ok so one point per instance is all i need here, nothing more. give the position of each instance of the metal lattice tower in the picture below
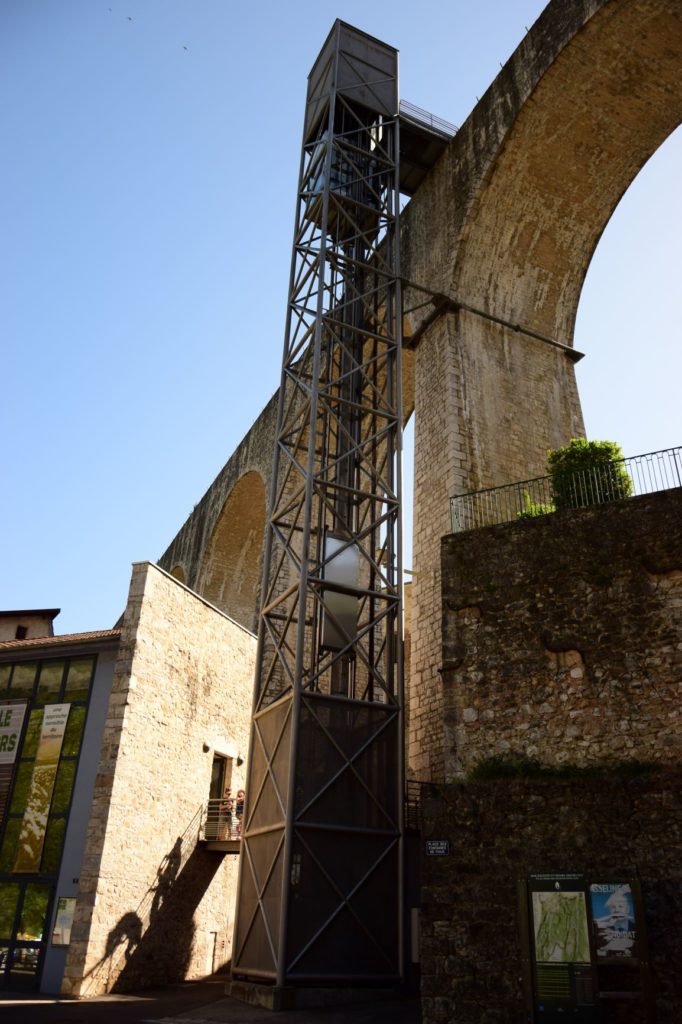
(320, 889)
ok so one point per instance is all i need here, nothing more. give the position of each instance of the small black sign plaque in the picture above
(437, 847)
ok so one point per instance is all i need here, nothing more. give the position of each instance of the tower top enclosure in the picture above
(356, 66)
(364, 71)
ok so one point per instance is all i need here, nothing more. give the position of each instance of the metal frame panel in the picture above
(320, 890)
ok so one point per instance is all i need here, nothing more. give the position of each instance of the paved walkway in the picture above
(201, 1002)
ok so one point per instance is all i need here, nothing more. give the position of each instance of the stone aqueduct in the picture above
(496, 243)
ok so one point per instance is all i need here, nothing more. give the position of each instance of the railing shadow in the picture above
(152, 945)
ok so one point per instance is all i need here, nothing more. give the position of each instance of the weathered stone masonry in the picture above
(562, 643)
(503, 831)
(183, 679)
(562, 636)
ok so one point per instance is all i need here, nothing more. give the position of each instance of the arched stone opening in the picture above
(509, 219)
(178, 573)
(232, 562)
(605, 104)
(629, 306)
(600, 110)
(506, 225)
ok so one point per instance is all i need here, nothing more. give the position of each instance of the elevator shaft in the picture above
(320, 889)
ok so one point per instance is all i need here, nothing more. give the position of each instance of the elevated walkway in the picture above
(423, 139)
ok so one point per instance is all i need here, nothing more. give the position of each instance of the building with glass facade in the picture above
(54, 693)
(108, 749)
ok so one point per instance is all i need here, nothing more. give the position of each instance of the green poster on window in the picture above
(34, 823)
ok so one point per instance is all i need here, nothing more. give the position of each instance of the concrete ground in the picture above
(201, 1002)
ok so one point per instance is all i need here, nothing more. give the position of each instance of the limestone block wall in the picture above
(154, 906)
(502, 831)
(439, 465)
(562, 637)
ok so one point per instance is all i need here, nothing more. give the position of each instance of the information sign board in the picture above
(560, 935)
(437, 847)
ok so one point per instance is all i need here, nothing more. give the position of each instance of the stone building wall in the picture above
(154, 905)
(562, 636)
(502, 831)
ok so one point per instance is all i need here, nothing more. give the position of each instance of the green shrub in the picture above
(587, 473)
(520, 766)
(512, 766)
(532, 509)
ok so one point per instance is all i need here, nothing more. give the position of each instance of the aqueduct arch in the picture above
(500, 234)
(203, 544)
(506, 224)
(231, 568)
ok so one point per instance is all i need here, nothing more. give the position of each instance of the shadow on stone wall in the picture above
(152, 945)
(164, 950)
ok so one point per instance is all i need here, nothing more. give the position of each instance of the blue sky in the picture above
(148, 159)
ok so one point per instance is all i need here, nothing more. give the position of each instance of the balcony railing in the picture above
(603, 482)
(219, 825)
(423, 117)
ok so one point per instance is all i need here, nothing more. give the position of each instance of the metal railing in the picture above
(603, 482)
(219, 823)
(439, 125)
(412, 801)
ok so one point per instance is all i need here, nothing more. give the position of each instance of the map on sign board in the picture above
(560, 927)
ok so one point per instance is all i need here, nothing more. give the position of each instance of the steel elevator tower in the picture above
(320, 889)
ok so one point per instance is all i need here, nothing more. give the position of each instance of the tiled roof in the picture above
(56, 641)
(10, 613)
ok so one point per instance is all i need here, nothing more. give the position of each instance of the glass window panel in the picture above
(23, 679)
(74, 731)
(33, 911)
(24, 967)
(4, 678)
(9, 894)
(50, 682)
(79, 678)
(22, 785)
(52, 850)
(9, 844)
(61, 796)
